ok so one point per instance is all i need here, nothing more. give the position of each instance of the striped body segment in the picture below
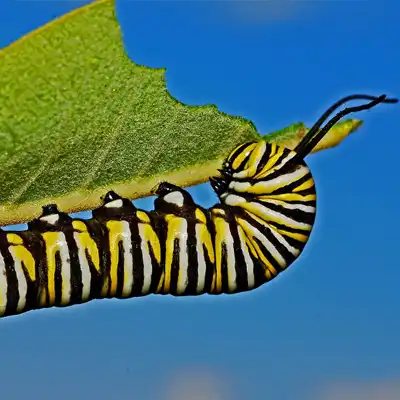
(261, 226)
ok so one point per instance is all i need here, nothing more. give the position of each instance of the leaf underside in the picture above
(78, 118)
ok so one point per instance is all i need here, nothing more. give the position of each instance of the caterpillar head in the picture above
(235, 163)
(251, 163)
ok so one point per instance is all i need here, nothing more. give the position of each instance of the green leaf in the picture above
(78, 118)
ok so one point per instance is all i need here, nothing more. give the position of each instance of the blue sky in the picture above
(328, 328)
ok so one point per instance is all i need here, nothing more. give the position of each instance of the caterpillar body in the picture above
(261, 225)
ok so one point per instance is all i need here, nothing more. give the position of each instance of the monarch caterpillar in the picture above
(264, 220)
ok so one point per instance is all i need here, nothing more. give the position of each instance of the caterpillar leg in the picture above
(165, 187)
(220, 185)
(172, 197)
